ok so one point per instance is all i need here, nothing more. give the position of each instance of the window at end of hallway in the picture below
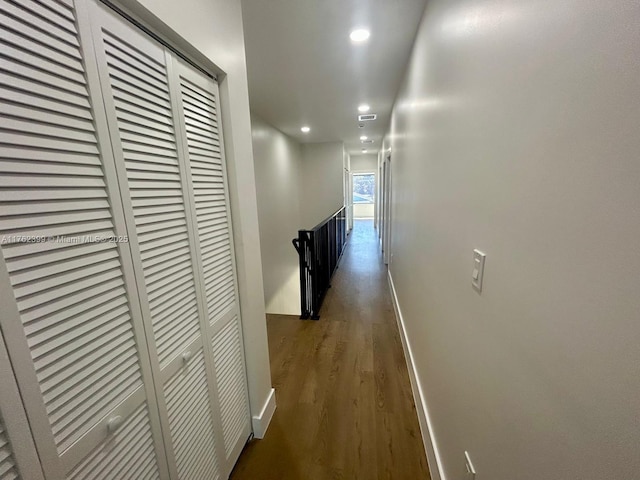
(364, 185)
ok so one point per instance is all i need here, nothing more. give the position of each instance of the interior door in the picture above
(198, 106)
(163, 117)
(70, 314)
(134, 73)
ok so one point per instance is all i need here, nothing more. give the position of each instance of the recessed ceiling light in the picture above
(305, 129)
(360, 35)
(364, 150)
(363, 137)
(363, 108)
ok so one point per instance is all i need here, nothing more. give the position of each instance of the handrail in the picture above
(323, 222)
(320, 250)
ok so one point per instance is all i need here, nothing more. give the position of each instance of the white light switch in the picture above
(478, 269)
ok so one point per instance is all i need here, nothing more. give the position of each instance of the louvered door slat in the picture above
(34, 29)
(62, 10)
(142, 107)
(42, 116)
(39, 48)
(39, 20)
(144, 63)
(42, 103)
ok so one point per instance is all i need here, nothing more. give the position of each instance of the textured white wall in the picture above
(214, 28)
(322, 190)
(516, 132)
(277, 159)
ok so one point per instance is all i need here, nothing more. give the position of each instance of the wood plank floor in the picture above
(345, 408)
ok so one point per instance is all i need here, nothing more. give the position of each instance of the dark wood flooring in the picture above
(345, 408)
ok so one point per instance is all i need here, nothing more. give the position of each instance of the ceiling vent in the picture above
(367, 117)
(367, 141)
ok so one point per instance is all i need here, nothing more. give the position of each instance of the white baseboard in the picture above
(430, 445)
(260, 422)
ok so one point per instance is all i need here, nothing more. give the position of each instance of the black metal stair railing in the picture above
(319, 250)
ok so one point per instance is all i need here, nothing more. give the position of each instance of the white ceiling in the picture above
(304, 70)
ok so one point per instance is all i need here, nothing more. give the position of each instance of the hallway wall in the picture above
(322, 192)
(364, 163)
(515, 132)
(277, 159)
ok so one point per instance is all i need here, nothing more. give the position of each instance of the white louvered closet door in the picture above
(141, 101)
(70, 312)
(209, 199)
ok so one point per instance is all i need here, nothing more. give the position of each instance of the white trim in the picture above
(426, 427)
(261, 422)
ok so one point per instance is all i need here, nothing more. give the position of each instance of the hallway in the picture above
(345, 407)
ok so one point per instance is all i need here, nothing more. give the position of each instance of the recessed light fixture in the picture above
(363, 108)
(364, 150)
(360, 35)
(363, 137)
(305, 129)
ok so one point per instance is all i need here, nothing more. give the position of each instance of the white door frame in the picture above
(386, 210)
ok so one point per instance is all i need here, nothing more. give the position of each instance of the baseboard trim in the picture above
(428, 439)
(261, 422)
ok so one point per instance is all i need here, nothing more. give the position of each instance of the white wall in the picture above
(363, 210)
(322, 191)
(277, 159)
(214, 29)
(364, 163)
(516, 132)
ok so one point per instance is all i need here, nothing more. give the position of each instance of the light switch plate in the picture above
(478, 270)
